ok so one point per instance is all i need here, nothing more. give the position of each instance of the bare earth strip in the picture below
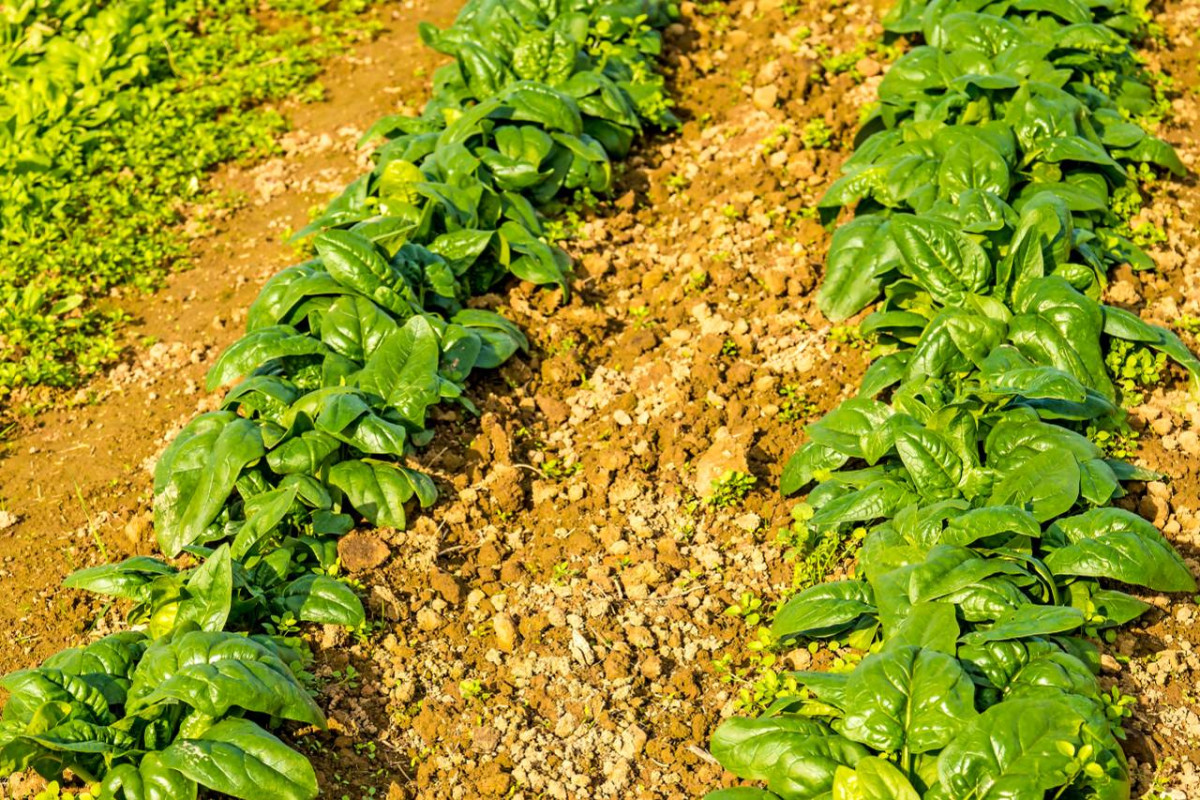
(555, 627)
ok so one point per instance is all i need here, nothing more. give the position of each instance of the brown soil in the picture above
(1158, 661)
(556, 626)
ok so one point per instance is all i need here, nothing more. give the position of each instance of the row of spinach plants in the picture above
(993, 554)
(343, 357)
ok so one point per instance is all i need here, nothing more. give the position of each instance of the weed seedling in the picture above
(748, 607)
(730, 489)
(1134, 369)
(816, 134)
(795, 405)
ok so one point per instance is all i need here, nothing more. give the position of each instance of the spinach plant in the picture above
(982, 188)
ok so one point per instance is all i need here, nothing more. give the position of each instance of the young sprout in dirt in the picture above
(365, 633)
(1117, 440)
(1134, 368)
(1147, 235)
(472, 689)
(849, 335)
(347, 678)
(563, 573)
(847, 62)
(1118, 707)
(816, 134)
(558, 470)
(1158, 786)
(795, 405)
(641, 316)
(730, 489)
(562, 346)
(767, 686)
(676, 182)
(759, 681)
(565, 228)
(777, 139)
(748, 607)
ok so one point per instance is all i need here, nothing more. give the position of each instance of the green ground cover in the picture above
(111, 116)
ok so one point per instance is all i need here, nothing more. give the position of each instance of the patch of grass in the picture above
(111, 116)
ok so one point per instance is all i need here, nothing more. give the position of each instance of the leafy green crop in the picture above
(342, 359)
(111, 115)
(982, 187)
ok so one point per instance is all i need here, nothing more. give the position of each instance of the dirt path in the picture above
(556, 628)
(74, 486)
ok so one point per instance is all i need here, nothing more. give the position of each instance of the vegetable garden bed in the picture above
(575, 577)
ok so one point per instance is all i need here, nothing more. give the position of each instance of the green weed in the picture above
(730, 489)
(1134, 368)
(104, 157)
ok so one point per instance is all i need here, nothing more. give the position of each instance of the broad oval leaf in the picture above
(216, 671)
(872, 779)
(149, 780)
(1029, 620)
(1114, 543)
(824, 610)
(324, 600)
(739, 741)
(939, 257)
(240, 759)
(859, 254)
(907, 698)
(1011, 751)
(193, 480)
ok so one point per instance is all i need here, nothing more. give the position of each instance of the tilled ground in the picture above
(1158, 661)
(556, 627)
(559, 629)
